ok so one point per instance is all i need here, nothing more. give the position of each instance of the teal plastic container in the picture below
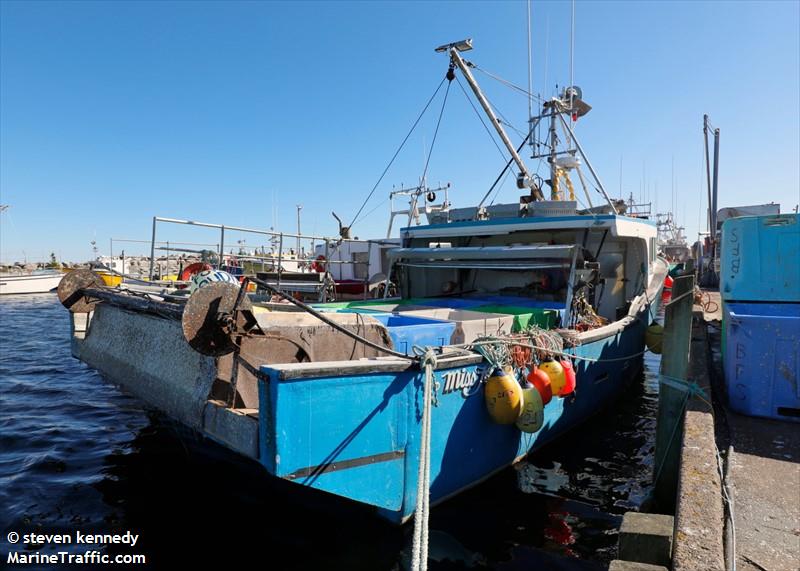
(408, 331)
(760, 259)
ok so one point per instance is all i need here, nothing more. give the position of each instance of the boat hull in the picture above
(352, 428)
(351, 287)
(15, 285)
(358, 435)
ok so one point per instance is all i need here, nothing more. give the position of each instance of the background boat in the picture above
(34, 282)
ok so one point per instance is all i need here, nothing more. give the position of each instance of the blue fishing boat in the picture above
(404, 402)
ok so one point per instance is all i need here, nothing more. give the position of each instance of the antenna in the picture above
(672, 190)
(571, 54)
(530, 66)
(547, 50)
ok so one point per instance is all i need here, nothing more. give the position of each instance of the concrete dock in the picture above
(760, 459)
(763, 475)
(735, 482)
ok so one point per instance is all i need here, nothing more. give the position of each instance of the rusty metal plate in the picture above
(70, 294)
(202, 327)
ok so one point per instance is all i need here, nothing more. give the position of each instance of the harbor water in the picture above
(78, 454)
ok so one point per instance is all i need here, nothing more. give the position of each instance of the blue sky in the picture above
(112, 112)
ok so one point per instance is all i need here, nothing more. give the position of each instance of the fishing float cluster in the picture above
(528, 371)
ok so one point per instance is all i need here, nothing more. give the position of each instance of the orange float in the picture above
(541, 381)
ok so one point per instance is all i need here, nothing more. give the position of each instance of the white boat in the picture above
(671, 240)
(37, 282)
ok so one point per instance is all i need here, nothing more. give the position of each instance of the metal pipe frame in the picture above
(588, 164)
(456, 58)
(254, 230)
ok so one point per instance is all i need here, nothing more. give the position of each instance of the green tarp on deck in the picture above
(524, 317)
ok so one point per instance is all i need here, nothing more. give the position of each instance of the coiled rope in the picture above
(703, 299)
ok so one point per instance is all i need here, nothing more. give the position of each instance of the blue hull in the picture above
(357, 435)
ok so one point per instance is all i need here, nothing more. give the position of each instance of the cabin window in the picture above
(652, 249)
(360, 265)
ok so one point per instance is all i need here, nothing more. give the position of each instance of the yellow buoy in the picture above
(532, 417)
(503, 397)
(555, 371)
(653, 338)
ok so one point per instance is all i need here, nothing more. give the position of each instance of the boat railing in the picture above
(279, 260)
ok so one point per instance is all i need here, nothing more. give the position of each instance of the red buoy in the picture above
(666, 293)
(318, 265)
(541, 381)
(569, 378)
(193, 269)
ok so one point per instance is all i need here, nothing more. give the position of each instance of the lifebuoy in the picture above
(318, 265)
(193, 269)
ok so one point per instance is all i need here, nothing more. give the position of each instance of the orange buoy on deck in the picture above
(541, 381)
(555, 371)
(503, 397)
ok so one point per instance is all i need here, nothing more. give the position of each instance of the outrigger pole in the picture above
(524, 180)
(556, 107)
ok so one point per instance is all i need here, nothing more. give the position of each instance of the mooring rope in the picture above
(680, 297)
(690, 389)
(419, 549)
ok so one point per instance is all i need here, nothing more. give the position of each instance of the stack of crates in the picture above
(760, 290)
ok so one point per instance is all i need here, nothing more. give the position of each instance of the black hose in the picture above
(307, 308)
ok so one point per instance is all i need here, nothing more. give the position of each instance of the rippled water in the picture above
(77, 453)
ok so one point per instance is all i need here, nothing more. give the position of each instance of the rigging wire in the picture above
(504, 121)
(500, 187)
(507, 83)
(379, 205)
(438, 123)
(480, 117)
(503, 172)
(517, 88)
(400, 148)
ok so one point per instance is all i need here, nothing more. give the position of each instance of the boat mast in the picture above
(524, 180)
(554, 186)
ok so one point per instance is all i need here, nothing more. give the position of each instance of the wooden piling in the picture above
(672, 398)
